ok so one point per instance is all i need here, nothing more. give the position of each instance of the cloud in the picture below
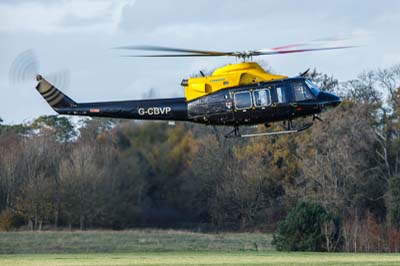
(78, 35)
(152, 14)
(61, 16)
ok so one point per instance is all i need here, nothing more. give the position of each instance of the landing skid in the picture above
(236, 134)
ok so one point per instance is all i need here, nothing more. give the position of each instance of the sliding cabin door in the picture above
(262, 101)
(281, 98)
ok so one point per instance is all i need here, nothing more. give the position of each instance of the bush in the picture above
(6, 220)
(307, 227)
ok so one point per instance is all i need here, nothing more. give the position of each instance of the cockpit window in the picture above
(301, 92)
(314, 89)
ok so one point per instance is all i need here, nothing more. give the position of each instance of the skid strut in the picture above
(234, 133)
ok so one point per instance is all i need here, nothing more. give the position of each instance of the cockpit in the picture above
(314, 89)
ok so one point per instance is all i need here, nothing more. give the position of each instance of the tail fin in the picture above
(55, 98)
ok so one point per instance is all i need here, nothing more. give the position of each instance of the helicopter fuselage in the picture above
(264, 102)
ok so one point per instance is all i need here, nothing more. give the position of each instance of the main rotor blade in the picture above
(328, 41)
(182, 52)
(272, 52)
(174, 55)
(284, 47)
(171, 49)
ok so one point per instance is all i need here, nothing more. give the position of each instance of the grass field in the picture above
(130, 241)
(163, 247)
(201, 258)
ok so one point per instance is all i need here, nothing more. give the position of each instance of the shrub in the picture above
(6, 220)
(307, 227)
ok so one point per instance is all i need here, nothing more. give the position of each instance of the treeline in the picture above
(117, 174)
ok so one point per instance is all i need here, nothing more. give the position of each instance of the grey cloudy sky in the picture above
(78, 34)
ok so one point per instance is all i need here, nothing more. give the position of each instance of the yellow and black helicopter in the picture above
(234, 95)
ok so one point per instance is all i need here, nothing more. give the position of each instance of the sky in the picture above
(78, 36)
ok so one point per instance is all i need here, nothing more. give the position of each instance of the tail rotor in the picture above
(26, 67)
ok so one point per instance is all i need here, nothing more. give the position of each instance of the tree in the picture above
(307, 227)
(37, 166)
(10, 179)
(338, 171)
(58, 126)
(324, 81)
(388, 137)
(363, 89)
(79, 175)
(35, 201)
(389, 79)
(394, 201)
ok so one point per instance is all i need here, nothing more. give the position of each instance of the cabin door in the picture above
(262, 101)
(281, 101)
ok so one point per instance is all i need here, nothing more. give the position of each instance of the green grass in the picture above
(163, 247)
(130, 241)
(201, 258)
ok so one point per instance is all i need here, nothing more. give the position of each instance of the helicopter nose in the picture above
(329, 100)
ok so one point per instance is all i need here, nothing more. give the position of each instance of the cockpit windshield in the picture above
(314, 89)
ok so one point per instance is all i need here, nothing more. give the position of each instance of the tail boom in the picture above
(156, 109)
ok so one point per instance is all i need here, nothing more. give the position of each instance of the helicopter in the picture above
(235, 95)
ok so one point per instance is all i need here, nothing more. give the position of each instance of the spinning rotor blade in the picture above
(320, 41)
(172, 55)
(25, 68)
(286, 49)
(190, 52)
(60, 79)
(246, 54)
(283, 51)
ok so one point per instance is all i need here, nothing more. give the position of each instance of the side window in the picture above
(243, 100)
(301, 92)
(280, 93)
(262, 97)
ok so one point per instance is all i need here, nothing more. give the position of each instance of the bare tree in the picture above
(79, 174)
